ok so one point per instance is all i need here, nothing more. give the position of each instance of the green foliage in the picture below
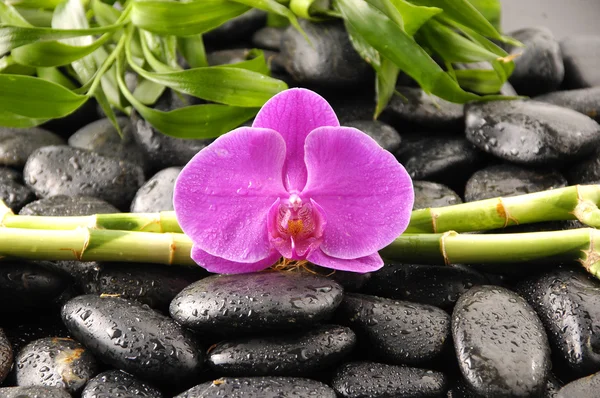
(56, 54)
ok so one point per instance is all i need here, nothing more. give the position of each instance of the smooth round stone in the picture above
(17, 144)
(28, 286)
(118, 384)
(238, 28)
(268, 38)
(260, 387)
(585, 172)
(378, 380)
(103, 138)
(161, 150)
(568, 303)
(327, 60)
(24, 330)
(539, 67)
(33, 392)
(431, 194)
(581, 56)
(55, 362)
(67, 125)
(63, 205)
(13, 192)
(398, 332)
(151, 284)
(435, 285)
(134, 338)
(6, 356)
(510, 180)
(385, 135)
(418, 108)
(586, 387)
(296, 354)
(63, 170)
(350, 107)
(584, 100)
(500, 343)
(530, 132)
(233, 304)
(157, 193)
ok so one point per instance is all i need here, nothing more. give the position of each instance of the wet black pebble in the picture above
(17, 144)
(431, 194)
(13, 192)
(268, 38)
(63, 170)
(6, 356)
(586, 387)
(568, 303)
(157, 193)
(584, 100)
(539, 66)
(385, 135)
(260, 387)
(500, 343)
(427, 284)
(134, 338)
(34, 392)
(329, 59)
(118, 384)
(510, 180)
(238, 28)
(55, 362)
(234, 304)
(531, 132)
(378, 380)
(581, 56)
(283, 354)
(585, 172)
(397, 332)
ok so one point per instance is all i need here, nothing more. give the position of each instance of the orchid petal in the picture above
(366, 194)
(364, 264)
(221, 266)
(223, 195)
(294, 114)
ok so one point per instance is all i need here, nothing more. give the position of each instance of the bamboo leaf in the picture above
(414, 16)
(192, 49)
(9, 66)
(8, 119)
(54, 53)
(276, 8)
(54, 75)
(484, 81)
(36, 17)
(490, 9)
(185, 18)
(148, 92)
(387, 76)
(44, 4)
(104, 14)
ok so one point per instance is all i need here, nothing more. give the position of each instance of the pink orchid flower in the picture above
(294, 185)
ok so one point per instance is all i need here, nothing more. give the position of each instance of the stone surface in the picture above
(378, 380)
(500, 343)
(431, 194)
(118, 384)
(234, 304)
(398, 332)
(289, 354)
(568, 303)
(268, 38)
(34, 392)
(17, 144)
(103, 138)
(510, 180)
(584, 100)
(55, 362)
(6, 356)
(417, 108)
(581, 56)
(260, 387)
(13, 192)
(328, 60)
(134, 338)
(238, 28)
(63, 170)
(63, 205)
(427, 284)
(531, 132)
(586, 171)
(539, 66)
(385, 135)
(586, 387)
(157, 193)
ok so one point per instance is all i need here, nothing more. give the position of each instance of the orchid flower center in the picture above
(295, 218)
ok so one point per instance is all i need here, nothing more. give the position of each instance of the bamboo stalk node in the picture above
(591, 258)
(5, 211)
(587, 212)
(504, 213)
(86, 242)
(443, 245)
(172, 249)
(434, 216)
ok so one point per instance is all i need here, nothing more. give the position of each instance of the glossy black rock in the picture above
(6, 356)
(385, 135)
(134, 338)
(284, 354)
(63, 205)
(378, 380)
(568, 303)
(13, 191)
(260, 387)
(268, 38)
(500, 343)
(63, 170)
(428, 284)
(510, 180)
(233, 304)
(157, 193)
(397, 332)
(581, 56)
(431, 194)
(585, 100)
(586, 387)
(238, 28)
(531, 132)
(17, 144)
(118, 384)
(34, 392)
(55, 362)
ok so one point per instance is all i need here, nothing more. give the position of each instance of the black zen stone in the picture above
(157, 193)
(581, 56)
(118, 384)
(13, 192)
(586, 387)
(584, 100)
(431, 194)
(34, 392)
(268, 38)
(385, 135)
(6, 356)
(17, 144)
(238, 28)
(63, 205)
